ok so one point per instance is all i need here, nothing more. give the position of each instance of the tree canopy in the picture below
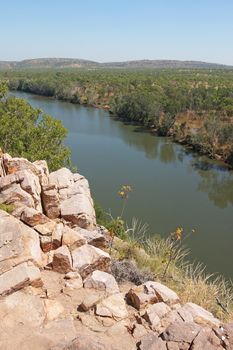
(27, 132)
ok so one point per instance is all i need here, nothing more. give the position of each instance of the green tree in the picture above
(27, 132)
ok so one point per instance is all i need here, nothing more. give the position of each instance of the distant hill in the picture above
(59, 63)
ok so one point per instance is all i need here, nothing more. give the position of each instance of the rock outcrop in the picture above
(56, 289)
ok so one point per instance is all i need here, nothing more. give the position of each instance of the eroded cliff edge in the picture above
(56, 286)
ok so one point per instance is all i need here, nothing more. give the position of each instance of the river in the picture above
(171, 187)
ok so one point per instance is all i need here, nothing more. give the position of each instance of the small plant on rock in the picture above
(116, 226)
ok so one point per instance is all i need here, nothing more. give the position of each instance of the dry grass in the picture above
(191, 282)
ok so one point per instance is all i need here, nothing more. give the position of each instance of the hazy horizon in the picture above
(115, 31)
(113, 61)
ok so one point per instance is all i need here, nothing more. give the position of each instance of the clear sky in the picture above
(115, 30)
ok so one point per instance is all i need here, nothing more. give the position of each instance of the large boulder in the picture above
(94, 237)
(75, 199)
(31, 185)
(23, 308)
(139, 298)
(14, 165)
(152, 342)
(62, 261)
(19, 277)
(101, 280)
(33, 217)
(155, 312)
(18, 243)
(207, 339)
(50, 200)
(199, 315)
(60, 194)
(162, 292)
(181, 332)
(112, 306)
(88, 259)
(17, 197)
(72, 238)
(79, 210)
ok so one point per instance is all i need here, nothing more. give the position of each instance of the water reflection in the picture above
(216, 181)
(172, 186)
(167, 153)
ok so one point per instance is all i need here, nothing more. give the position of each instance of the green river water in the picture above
(171, 187)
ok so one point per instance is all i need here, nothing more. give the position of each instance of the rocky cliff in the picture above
(56, 287)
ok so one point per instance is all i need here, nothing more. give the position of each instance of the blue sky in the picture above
(115, 30)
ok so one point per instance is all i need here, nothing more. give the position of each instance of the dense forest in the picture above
(195, 106)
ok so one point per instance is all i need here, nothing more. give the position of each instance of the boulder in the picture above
(23, 308)
(75, 283)
(207, 339)
(139, 331)
(18, 243)
(72, 238)
(46, 243)
(152, 342)
(113, 306)
(50, 200)
(62, 261)
(162, 292)
(139, 299)
(181, 332)
(13, 165)
(95, 238)
(42, 171)
(50, 235)
(72, 275)
(16, 196)
(31, 185)
(160, 309)
(101, 281)
(33, 217)
(119, 334)
(172, 345)
(155, 312)
(75, 198)
(46, 229)
(90, 300)
(19, 277)
(88, 259)
(79, 210)
(62, 178)
(171, 317)
(9, 180)
(200, 315)
(226, 333)
(73, 280)
(57, 235)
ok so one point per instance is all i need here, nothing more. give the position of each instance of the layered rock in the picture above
(34, 192)
(18, 243)
(75, 200)
(56, 291)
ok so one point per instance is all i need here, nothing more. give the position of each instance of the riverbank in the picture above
(139, 257)
(183, 128)
(56, 219)
(66, 282)
(167, 180)
(195, 106)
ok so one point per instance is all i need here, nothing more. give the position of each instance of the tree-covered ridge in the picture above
(29, 133)
(193, 105)
(61, 63)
